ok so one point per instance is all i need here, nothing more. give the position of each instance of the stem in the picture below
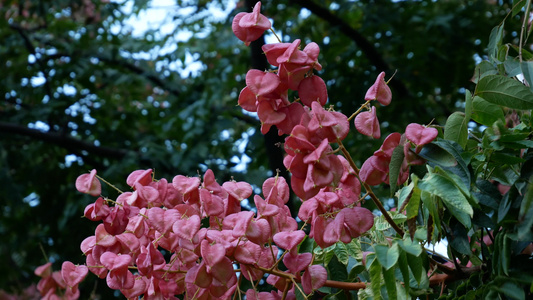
(345, 285)
(109, 184)
(298, 287)
(435, 279)
(359, 110)
(285, 292)
(277, 37)
(275, 272)
(44, 252)
(522, 41)
(369, 191)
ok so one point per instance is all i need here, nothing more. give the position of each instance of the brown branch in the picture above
(435, 279)
(366, 47)
(31, 49)
(140, 71)
(61, 140)
(369, 191)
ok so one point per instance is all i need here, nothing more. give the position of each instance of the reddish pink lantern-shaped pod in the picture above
(248, 27)
(72, 274)
(297, 262)
(247, 253)
(273, 51)
(186, 228)
(371, 175)
(420, 135)
(367, 123)
(313, 89)
(293, 55)
(312, 50)
(253, 295)
(140, 286)
(248, 100)
(89, 184)
(379, 91)
(239, 190)
(144, 177)
(389, 144)
(44, 270)
(357, 220)
(314, 278)
(185, 184)
(289, 240)
(212, 253)
(261, 83)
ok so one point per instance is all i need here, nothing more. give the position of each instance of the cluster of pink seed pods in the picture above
(189, 236)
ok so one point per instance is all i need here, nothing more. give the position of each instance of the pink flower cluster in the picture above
(324, 180)
(201, 226)
(189, 236)
(375, 170)
(60, 284)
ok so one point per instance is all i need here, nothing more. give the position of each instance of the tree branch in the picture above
(64, 141)
(140, 71)
(435, 279)
(368, 49)
(31, 49)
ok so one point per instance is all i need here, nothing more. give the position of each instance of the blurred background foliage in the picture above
(85, 85)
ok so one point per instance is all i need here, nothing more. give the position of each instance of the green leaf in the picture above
(526, 55)
(459, 239)
(468, 105)
(457, 181)
(503, 158)
(404, 194)
(505, 257)
(307, 245)
(527, 71)
(505, 91)
(495, 41)
(510, 289)
(404, 269)
(416, 266)
(324, 255)
(375, 278)
(437, 155)
(502, 53)
(456, 128)
(340, 295)
(355, 271)
(485, 112)
(517, 6)
(512, 66)
(341, 251)
(381, 224)
(387, 256)
(504, 207)
(452, 197)
(525, 216)
(395, 166)
(410, 246)
(456, 151)
(390, 283)
(337, 270)
(483, 69)
(299, 295)
(432, 205)
(414, 203)
(354, 249)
